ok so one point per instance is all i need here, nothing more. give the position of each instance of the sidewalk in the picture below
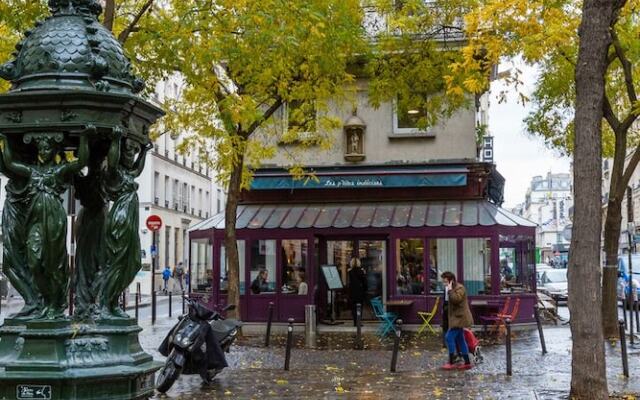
(336, 371)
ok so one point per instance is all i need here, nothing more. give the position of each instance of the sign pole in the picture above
(153, 277)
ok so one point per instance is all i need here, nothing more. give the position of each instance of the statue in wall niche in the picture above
(45, 219)
(125, 162)
(90, 237)
(14, 251)
(355, 143)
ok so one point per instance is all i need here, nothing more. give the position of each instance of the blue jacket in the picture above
(166, 274)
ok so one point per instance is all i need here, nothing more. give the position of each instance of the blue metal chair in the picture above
(386, 319)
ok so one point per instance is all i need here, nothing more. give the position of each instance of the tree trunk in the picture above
(588, 370)
(109, 14)
(610, 273)
(230, 243)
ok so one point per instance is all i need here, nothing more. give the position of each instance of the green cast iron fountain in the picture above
(72, 120)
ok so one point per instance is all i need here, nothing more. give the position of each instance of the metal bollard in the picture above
(536, 313)
(183, 303)
(508, 344)
(137, 305)
(138, 291)
(310, 325)
(624, 310)
(637, 310)
(287, 356)
(623, 347)
(631, 306)
(153, 307)
(170, 303)
(396, 345)
(269, 320)
(359, 344)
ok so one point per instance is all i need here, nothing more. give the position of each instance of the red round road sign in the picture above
(154, 223)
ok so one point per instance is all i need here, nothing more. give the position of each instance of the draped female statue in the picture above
(45, 218)
(122, 242)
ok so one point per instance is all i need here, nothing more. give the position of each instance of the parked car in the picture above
(623, 275)
(555, 285)
(540, 269)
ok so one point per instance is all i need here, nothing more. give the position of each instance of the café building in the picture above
(407, 204)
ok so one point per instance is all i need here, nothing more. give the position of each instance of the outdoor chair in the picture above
(386, 319)
(495, 319)
(511, 316)
(427, 317)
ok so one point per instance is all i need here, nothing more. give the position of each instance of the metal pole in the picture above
(359, 343)
(137, 305)
(637, 309)
(623, 347)
(630, 232)
(183, 302)
(508, 344)
(138, 294)
(153, 277)
(170, 304)
(267, 336)
(287, 356)
(624, 309)
(396, 345)
(540, 332)
(72, 256)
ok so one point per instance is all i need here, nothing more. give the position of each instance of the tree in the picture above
(245, 61)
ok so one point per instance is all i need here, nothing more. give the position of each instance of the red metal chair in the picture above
(495, 319)
(511, 316)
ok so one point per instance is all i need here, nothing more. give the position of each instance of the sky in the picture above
(518, 155)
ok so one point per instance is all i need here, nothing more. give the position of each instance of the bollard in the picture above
(170, 302)
(396, 345)
(359, 344)
(624, 310)
(508, 344)
(287, 356)
(623, 347)
(183, 301)
(310, 325)
(540, 332)
(137, 305)
(153, 307)
(269, 319)
(138, 291)
(637, 309)
(631, 336)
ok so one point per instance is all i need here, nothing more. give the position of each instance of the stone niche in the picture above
(354, 136)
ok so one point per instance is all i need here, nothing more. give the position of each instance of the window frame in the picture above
(398, 132)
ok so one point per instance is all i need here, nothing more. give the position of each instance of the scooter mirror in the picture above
(229, 307)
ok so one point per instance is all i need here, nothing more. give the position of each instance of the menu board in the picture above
(332, 276)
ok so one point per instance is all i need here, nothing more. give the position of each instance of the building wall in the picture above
(453, 138)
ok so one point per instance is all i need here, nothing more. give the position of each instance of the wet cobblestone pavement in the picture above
(335, 371)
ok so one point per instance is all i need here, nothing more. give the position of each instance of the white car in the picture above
(540, 269)
(554, 283)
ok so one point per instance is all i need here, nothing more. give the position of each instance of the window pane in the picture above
(201, 275)
(224, 268)
(263, 266)
(294, 261)
(477, 265)
(443, 256)
(409, 266)
(410, 115)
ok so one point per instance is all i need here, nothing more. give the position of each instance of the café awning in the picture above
(369, 215)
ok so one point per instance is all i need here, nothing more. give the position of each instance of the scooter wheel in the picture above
(168, 375)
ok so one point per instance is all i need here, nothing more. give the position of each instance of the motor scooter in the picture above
(196, 345)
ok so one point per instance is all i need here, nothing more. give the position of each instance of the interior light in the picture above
(413, 112)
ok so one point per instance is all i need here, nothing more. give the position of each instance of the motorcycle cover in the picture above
(214, 355)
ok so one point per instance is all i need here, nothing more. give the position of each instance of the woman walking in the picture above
(459, 318)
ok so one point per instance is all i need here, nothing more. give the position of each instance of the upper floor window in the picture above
(410, 117)
(301, 116)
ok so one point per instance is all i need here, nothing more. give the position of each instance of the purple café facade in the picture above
(405, 223)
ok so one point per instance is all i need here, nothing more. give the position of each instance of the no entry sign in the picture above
(154, 223)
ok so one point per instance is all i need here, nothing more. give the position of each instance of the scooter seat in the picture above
(222, 328)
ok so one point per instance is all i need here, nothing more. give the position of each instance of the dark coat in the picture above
(459, 311)
(357, 285)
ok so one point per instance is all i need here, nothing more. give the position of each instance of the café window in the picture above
(477, 265)
(294, 267)
(224, 268)
(201, 267)
(443, 256)
(263, 267)
(410, 267)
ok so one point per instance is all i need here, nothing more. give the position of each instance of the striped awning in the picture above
(368, 215)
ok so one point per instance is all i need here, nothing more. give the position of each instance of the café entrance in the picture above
(372, 254)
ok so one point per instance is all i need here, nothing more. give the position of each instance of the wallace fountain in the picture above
(72, 121)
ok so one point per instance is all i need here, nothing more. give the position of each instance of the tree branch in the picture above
(109, 14)
(626, 67)
(265, 116)
(631, 167)
(124, 35)
(610, 116)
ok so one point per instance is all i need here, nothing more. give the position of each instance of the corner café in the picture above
(406, 224)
